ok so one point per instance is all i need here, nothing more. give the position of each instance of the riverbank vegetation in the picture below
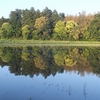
(50, 25)
(15, 42)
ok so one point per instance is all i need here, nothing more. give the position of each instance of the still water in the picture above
(50, 73)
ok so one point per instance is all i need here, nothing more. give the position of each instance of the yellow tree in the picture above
(41, 27)
(70, 29)
(40, 22)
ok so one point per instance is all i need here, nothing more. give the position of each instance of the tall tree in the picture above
(48, 13)
(94, 28)
(62, 16)
(55, 17)
(28, 17)
(16, 22)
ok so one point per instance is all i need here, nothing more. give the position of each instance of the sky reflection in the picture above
(65, 86)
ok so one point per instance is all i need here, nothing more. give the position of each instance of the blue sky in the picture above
(66, 6)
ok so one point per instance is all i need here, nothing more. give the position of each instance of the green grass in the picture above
(9, 42)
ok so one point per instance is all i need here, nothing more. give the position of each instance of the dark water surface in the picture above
(50, 73)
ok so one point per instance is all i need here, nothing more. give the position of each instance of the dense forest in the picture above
(50, 60)
(50, 25)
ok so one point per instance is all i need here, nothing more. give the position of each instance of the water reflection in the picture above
(50, 60)
(49, 73)
(66, 86)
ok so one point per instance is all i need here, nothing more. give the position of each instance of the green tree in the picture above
(6, 31)
(55, 17)
(16, 22)
(46, 12)
(26, 32)
(62, 16)
(50, 23)
(3, 20)
(27, 18)
(94, 28)
(60, 31)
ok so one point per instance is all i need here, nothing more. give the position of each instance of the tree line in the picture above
(49, 25)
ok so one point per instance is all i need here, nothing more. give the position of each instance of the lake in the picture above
(49, 73)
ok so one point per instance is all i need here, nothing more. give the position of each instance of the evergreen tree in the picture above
(16, 22)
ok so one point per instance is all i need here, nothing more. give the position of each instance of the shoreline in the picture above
(10, 42)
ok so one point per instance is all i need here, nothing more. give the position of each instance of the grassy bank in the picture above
(10, 42)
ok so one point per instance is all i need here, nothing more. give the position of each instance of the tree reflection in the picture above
(50, 60)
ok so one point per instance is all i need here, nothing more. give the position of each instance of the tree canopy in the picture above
(48, 25)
